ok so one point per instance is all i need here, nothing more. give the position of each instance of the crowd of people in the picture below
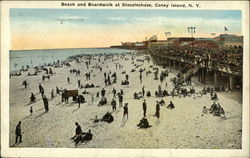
(228, 57)
(109, 80)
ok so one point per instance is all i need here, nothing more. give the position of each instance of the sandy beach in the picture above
(184, 127)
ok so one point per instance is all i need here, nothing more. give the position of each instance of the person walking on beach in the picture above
(18, 132)
(125, 110)
(144, 107)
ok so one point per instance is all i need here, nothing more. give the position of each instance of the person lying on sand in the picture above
(108, 117)
(137, 96)
(102, 102)
(125, 82)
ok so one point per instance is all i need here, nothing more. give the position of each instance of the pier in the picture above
(205, 70)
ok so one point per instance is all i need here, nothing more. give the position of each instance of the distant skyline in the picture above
(86, 28)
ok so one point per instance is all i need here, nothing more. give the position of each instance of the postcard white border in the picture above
(83, 152)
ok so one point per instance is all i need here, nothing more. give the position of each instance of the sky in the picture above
(88, 28)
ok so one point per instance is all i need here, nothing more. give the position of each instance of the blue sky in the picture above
(137, 24)
(99, 16)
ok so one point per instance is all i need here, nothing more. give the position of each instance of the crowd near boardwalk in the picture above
(121, 100)
(214, 57)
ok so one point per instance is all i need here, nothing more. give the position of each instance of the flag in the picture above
(225, 28)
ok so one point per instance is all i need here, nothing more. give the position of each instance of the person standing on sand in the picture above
(97, 95)
(40, 87)
(103, 92)
(31, 110)
(105, 75)
(113, 103)
(127, 77)
(120, 100)
(143, 91)
(18, 132)
(92, 99)
(57, 90)
(79, 83)
(141, 76)
(52, 94)
(114, 92)
(68, 80)
(157, 111)
(79, 101)
(42, 92)
(46, 103)
(121, 92)
(106, 82)
(144, 107)
(125, 110)
(78, 131)
(25, 84)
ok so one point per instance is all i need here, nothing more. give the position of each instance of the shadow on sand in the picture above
(75, 110)
(40, 114)
(26, 117)
(124, 121)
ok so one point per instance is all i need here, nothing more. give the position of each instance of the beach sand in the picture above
(181, 128)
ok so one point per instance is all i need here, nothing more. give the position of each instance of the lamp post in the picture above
(191, 30)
